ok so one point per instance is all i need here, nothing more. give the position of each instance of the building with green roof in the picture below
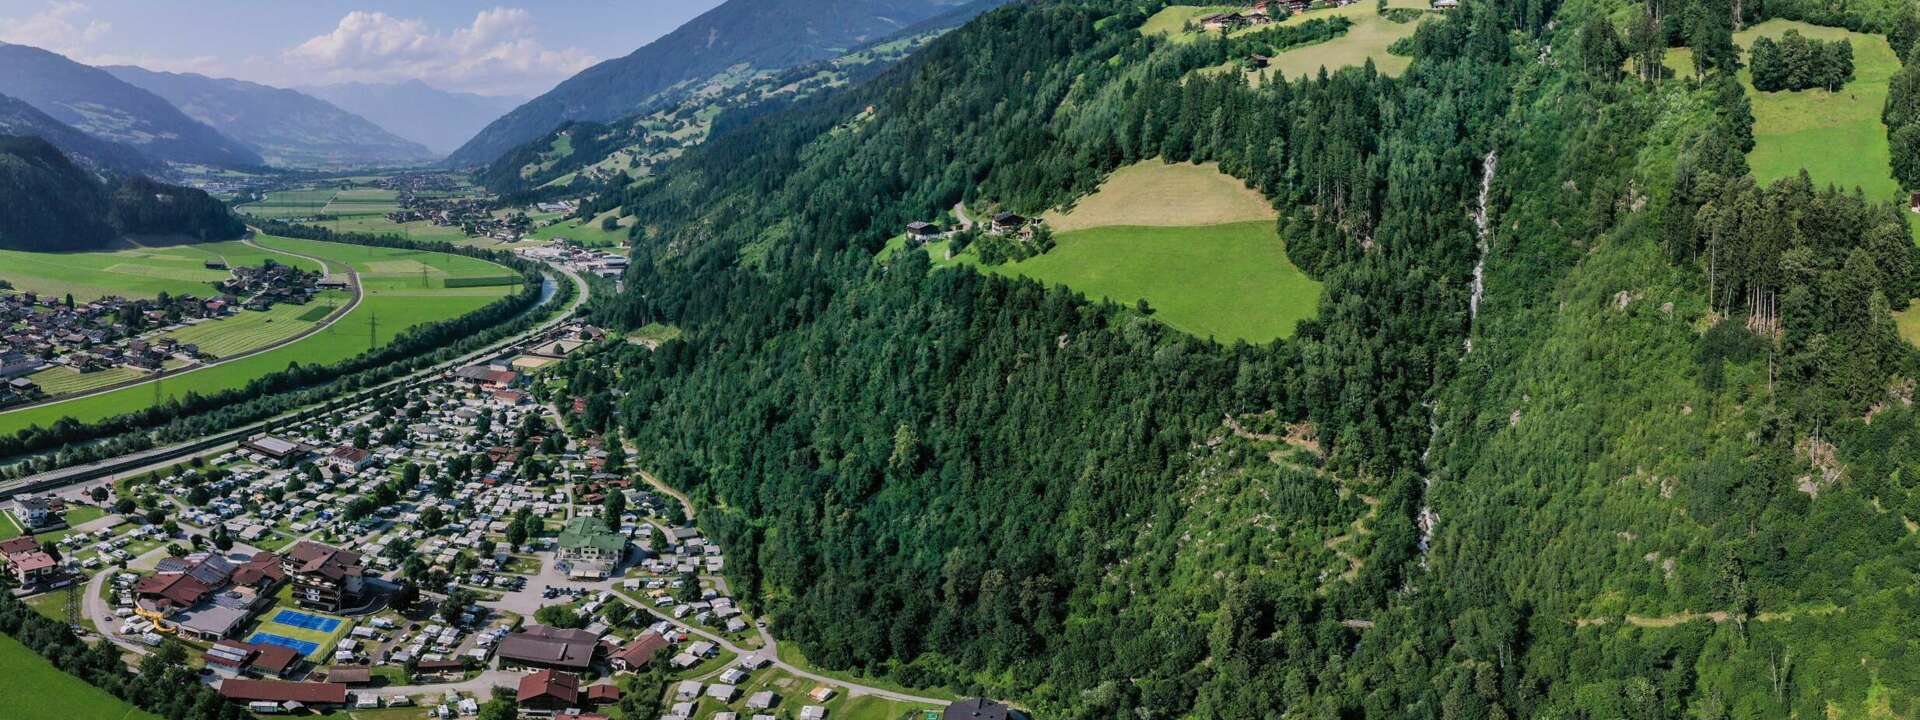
(587, 538)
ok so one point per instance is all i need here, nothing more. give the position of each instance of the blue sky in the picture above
(497, 48)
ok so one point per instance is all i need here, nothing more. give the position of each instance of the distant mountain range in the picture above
(756, 34)
(103, 157)
(286, 127)
(439, 119)
(106, 107)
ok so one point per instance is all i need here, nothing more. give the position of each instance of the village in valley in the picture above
(444, 546)
(46, 332)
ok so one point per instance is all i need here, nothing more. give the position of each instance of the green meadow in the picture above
(587, 232)
(248, 329)
(132, 270)
(33, 689)
(1229, 282)
(403, 289)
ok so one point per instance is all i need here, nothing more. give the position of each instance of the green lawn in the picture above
(404, 288)
(8, 528)
(131, 270)
(33, 689)
(1229, 282)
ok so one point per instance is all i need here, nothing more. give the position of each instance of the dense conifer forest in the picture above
(1654, 466)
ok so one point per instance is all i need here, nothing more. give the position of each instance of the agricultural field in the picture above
(132, 269)
(403, 288)
(1157, 193)
(33, 689)
(586, 232)
(1151, 230)
(1368, 39)
(1836, 136)
(1250, 292)
(249, 330)
(63, 380)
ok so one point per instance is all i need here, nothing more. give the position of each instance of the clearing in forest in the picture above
(1195, 243)
(1164, 194)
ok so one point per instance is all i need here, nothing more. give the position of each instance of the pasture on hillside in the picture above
(133, 269)
(33, 689)
(1368, 39)
(1199, 246)
(403, 288)
(587, 232)
(1836, 136)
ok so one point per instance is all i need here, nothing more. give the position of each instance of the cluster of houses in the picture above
(571, 255)
(271, 283)
(96, 335)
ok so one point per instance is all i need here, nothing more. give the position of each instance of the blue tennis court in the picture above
(295, 618)
(301, 646)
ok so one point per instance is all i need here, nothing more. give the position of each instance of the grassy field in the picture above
(33, 689)
(8, 528)
(132, 269)
(1836, 136)
(63, 380)
(249, 330)
(586, 233)
(1230, 282)
(1161, 194)
(1172, 20)
(403, 288)
(1368, 39)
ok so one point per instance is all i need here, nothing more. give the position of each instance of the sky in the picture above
(520, 48)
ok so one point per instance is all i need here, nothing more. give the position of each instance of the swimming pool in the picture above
(304, 621)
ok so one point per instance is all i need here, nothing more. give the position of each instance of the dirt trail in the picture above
(1714, 616)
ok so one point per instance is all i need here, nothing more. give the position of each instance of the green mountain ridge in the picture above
(286, 127)
(1658, 468)
(762, 34)
(54, 205)
(102, 156)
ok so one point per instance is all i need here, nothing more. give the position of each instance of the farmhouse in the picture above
(640, 652)
(324, 577)
(548, 692)
(1007, 222)
(920, 231)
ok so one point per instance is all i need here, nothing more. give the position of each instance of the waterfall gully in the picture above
(1429, 520)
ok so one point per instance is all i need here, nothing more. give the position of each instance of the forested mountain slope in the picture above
(108, 108)
(101, 156)
(54, 205)
(737, 35)
(1589, 424)
(287, 128)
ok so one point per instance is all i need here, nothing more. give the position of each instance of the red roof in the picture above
(182, 589)
(275, 659)
(31, 561)
(555, 686)
(17, 545)
(277, 691)
(604, 692)
(642, 650)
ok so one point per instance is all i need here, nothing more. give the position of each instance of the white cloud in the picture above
(68, 28)
(498, 53)
(62, 27)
